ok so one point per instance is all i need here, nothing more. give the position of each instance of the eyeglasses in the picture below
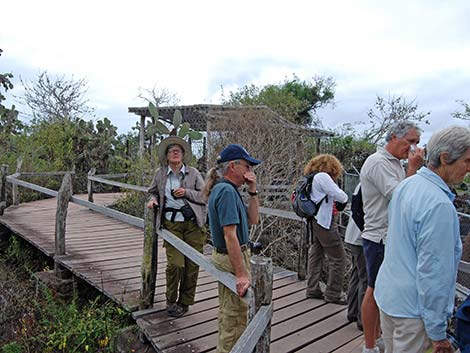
(175, 150)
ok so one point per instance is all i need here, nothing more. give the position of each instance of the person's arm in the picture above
(329, 187)
(437, 233)
(153, 191)
(384, 178)
(195, 195)
(253, 202)
(236, 259)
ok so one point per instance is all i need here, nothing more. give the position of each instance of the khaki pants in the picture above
(402, 335)
(233, 312)
(182, 273)
(326, 241)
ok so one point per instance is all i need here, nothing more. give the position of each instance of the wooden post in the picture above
(89, 184)
(262, 283)
(63, 198)
(149, 260)
(14, 188)
(3, 187)
(142, 136)
(304, 243)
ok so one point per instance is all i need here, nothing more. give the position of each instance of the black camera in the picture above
(255, 247)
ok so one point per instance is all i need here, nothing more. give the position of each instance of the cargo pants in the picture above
(233, 312)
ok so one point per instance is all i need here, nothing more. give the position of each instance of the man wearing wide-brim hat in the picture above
(177, 191)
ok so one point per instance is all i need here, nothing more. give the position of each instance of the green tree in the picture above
(294, 99)
(10, 125)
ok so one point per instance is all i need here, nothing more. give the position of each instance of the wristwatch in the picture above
(255, 193)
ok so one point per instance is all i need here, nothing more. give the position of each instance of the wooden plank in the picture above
(292, 341)
(354, 346)
(334, 340)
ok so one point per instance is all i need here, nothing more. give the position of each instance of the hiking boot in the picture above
(342, 300)
(170, 308)
(314, 295)
(180, 310)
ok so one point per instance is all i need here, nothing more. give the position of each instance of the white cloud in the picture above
(192, 47)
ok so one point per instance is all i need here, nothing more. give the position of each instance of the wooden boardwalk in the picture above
(107, 254)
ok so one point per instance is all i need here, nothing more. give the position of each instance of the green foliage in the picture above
(159, 128)
(78, 328)
(12, 347)
(351, 151)
(465, 115)
(293, 99)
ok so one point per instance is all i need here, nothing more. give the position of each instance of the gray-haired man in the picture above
(380, 174)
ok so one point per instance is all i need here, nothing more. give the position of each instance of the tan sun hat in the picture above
(174, 140)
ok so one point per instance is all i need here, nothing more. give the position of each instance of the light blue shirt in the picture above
(422, 253)
(173, 181)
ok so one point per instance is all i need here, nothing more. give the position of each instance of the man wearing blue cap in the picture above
(229, 221)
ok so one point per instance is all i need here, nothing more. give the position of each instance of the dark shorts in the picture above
(374, 254)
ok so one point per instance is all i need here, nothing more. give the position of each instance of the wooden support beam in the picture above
(63, 198)
(262, 284)
(149, 260)
(89, 184)
(3, 187)
(142, 136)
(257, 335)
(14, 187)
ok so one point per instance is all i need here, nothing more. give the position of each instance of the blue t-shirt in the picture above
(226, 207)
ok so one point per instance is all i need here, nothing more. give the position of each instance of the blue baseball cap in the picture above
(233, 152)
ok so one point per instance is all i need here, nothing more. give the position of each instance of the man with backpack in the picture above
(379, 176)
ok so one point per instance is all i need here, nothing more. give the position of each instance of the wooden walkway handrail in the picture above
(254, 331)
(227, 279)
(102, 180)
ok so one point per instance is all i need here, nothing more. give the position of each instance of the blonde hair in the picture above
(326, 163)
(212, 177)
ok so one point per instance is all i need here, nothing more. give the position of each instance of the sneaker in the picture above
(342, 300)
(180, 310)
(370, 350)
(379, 342)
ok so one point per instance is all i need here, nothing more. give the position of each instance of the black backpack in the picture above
(302, 205)
(357, 210)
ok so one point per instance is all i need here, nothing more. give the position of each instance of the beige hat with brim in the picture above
(174, 140)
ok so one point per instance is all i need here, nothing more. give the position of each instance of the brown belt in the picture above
(243, 248)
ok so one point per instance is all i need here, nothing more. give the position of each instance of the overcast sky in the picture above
(417, 49)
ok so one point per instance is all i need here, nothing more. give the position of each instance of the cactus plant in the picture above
(160, 128)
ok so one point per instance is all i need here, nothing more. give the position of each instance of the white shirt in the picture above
(323, 185)
(353, 233)
(380, 175)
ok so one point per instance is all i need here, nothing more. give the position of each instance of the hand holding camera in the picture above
(178, 193)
